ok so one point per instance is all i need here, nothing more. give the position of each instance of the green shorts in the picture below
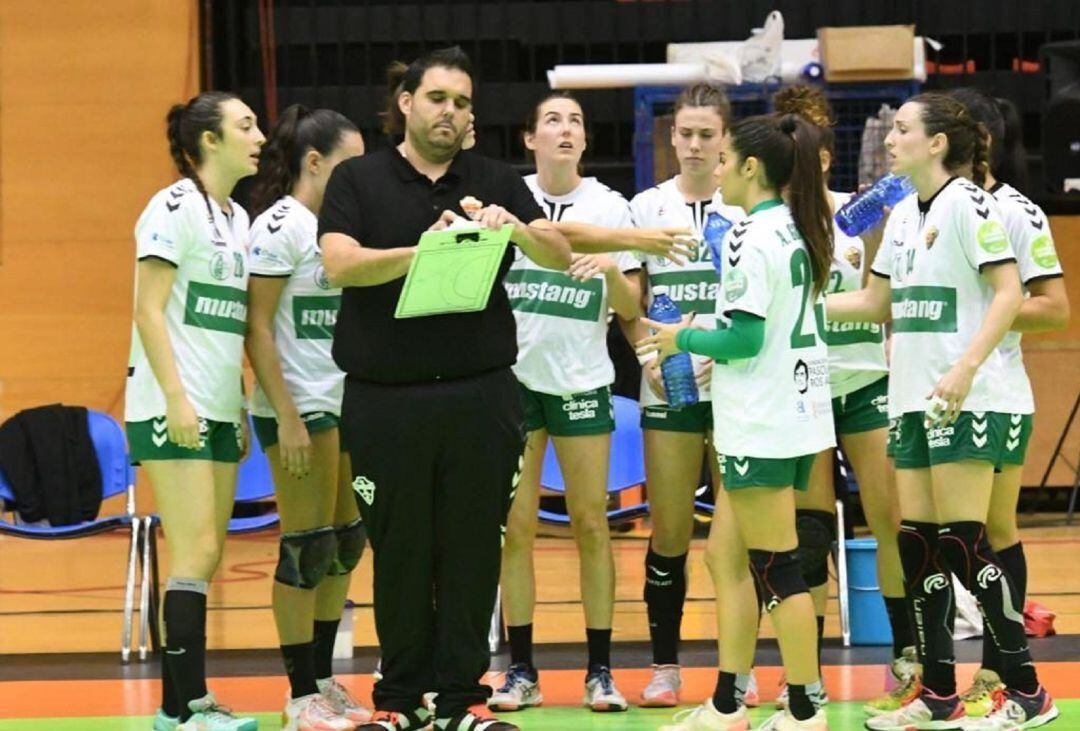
(315, 421)
(1017, 435)
(864, 409)
(978, 435)
(576, 415)
(221, 441)
(695, 419)
(763, 472)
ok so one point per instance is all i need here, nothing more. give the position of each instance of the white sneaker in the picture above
(706, 718)
(601, 695)
(784, 721)
(663, 690)
(313, 713)
(520, 690)
(752, 697)
(927, 712)
(209, 716)
(342, 701)
(164, 722)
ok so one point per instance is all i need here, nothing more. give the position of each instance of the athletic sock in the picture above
(900, 621)
(170, 705)
(724, 699)
(928, 587)
(1015, 564)
(325, 636)
(665, 594)
(185, 639)
(521, 645)
(800, 701)
(300, 667)
(820, 640)
(599, 648)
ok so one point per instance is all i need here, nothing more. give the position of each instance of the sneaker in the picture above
(342, 701)
(663, 690)
(927, 711)
(313, 713)
(706, 718)
(163, 722)
(475, 718)
(782, 696)
(601, 694)
(752, 698)
(397, 721)
(520, 690)
(905, 670)
(207, 715)
(1014, 711)
(784, 721)
(979, 698)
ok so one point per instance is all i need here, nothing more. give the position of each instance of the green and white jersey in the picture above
(932, 253)
(284, 244)
(856, 349)
(777, 404)
(206, 314)
(562, 322)
(1029, 233)
(692, 285)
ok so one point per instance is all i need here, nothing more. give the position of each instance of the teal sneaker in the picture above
(163, 722)
(209, 716)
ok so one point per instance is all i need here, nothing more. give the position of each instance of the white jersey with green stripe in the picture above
(284, 244)
(562, 322)
(206, 313)
(856, 349)
(777, 404)
(692, 285)
(933, 252)
(1029, 233)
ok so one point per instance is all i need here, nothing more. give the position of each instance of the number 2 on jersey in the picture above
(801, 276)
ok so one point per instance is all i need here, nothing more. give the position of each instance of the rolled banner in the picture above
(620, 75)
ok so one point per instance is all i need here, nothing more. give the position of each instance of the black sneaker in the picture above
(397, 721)
(475, 718)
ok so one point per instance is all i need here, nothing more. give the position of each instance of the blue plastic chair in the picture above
(117, 477)
(626, 467)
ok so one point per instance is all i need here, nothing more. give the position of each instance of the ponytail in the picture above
(297, 130)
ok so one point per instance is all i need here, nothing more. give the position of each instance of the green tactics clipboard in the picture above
(453, 271)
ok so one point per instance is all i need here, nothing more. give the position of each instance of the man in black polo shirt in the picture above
(431, 418)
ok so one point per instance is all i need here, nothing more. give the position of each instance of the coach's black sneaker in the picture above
(397, 721)
(475, 718)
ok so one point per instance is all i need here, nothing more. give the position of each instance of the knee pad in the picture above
(305, 557)
(779, 575)
(918, 544)
(350, 547)
(817, 531)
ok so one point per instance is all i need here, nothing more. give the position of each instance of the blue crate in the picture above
(851, 103)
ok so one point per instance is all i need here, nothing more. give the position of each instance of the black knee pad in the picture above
(918, 544)
(779, 575)
(817, 531)
(350, 547)
(305, 557)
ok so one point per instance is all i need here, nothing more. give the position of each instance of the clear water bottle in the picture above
(680, 386)
(713, 233)
(865, 209)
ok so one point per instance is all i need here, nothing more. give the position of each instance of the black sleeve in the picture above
(340, 212)
(520, 199)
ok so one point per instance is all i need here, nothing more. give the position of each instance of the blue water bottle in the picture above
(713, 233)
(865, 209)
(680, 386)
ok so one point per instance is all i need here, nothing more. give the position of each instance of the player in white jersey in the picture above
(858, 380)
(677, 440)
(1045, 307)
(946, 273)
(565, 375)
(296, 408)
(770, 387)
(184, 397)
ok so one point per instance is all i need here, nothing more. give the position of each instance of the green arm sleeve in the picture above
(743, 339)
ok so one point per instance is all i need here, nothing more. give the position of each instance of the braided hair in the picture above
(186, 124)
(943, 114)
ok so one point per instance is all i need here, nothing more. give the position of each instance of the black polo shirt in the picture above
(383, 202)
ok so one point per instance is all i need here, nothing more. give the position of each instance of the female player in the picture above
(1045, 307)
(565, 375)
(184, 396)
(677, 440)
(858, 381)
(947, 275)
(770, 386)
(296, 408)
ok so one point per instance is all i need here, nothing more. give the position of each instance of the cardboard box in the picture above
(868, 53)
